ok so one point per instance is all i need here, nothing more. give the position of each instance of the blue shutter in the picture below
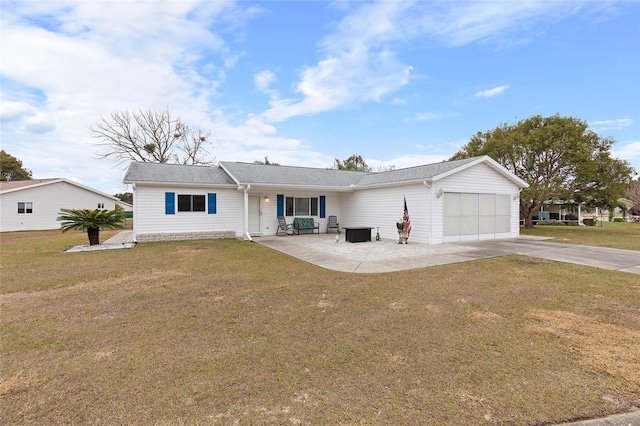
(169, 203)
(323, 203)
(280, 204)
(212, 208)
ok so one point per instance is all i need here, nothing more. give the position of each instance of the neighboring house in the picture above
(30, 205)
(470, 199)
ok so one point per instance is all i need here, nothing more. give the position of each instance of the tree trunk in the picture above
(526, 210)
(528, 221)
(94, 236)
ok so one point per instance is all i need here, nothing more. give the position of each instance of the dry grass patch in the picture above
(219, 332)
(592, 339)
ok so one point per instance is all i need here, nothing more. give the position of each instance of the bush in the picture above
(618, 219)
(589, 222)
(571, 217)
(550, 222)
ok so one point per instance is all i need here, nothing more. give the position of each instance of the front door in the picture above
(254, 214)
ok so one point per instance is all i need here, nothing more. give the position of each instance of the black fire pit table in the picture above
(358, 234)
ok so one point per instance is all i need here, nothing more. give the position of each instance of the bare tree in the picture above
(151, 136)
(632, 192)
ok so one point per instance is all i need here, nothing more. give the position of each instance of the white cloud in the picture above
(357, 66)
(264, 79)
(15, 111)
(425, 116)
(617, 124)
(629, 151)
(491, 92)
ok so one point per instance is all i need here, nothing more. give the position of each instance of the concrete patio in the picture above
(389, 256)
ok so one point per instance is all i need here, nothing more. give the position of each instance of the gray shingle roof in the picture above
(261, 174)
(290, 175)
(410, 174)
(15, 184)
(176, 173)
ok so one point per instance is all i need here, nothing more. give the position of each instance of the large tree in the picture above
(91, 221)
(559, 157)
(151, 136)
(11, 168)
(355, 162)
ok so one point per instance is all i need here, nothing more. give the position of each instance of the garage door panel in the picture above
(503, 224)
(469, 215)
(451, 204)
(487, 204)
(469, 204)
(487, 225)
(469, 225)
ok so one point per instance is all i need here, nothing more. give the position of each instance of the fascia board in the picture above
(183, 184)
(390, 184)
(36, 185)
(299, 187)
(229, 174)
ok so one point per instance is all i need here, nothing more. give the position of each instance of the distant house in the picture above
(29, 205)
(469, 199)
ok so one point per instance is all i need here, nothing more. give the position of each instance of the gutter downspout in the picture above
(247, 237)
(135, 228)
(429, 184)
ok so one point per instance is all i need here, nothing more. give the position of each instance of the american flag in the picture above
(406, 217)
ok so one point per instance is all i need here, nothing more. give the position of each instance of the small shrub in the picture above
(571, 217)
(589, 222)
(618, 219)
(550, 222)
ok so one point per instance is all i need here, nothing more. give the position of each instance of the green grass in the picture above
(610, 234)
(226, 331)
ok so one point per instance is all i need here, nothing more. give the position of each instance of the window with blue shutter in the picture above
(323, 204)
(212, 208)
(280, 203)
(169, 203)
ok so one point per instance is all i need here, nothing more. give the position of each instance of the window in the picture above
(191, 203)
(307, 206)
(289, 206)
(101, 205)
(25, 207)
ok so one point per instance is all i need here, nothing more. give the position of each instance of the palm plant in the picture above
(91, 221)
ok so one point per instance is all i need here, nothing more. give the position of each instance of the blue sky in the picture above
(304, 82)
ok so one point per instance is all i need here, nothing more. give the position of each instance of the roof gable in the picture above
(23, 185)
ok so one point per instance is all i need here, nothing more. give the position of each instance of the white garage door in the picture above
(476, 216)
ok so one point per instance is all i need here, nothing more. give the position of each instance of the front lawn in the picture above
(605, 234)
(230, 332)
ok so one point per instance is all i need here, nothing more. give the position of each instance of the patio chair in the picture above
(333, 224)
(283, 227)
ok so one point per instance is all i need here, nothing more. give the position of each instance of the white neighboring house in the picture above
(469, 199)
(29, 205)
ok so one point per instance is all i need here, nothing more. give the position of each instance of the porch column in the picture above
(246, 213)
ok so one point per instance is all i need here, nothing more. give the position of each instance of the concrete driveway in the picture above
(389, 256)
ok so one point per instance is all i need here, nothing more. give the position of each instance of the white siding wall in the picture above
(269, 222)
(383, 208)
(47, 201)
(480, 179)
(150, 217)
